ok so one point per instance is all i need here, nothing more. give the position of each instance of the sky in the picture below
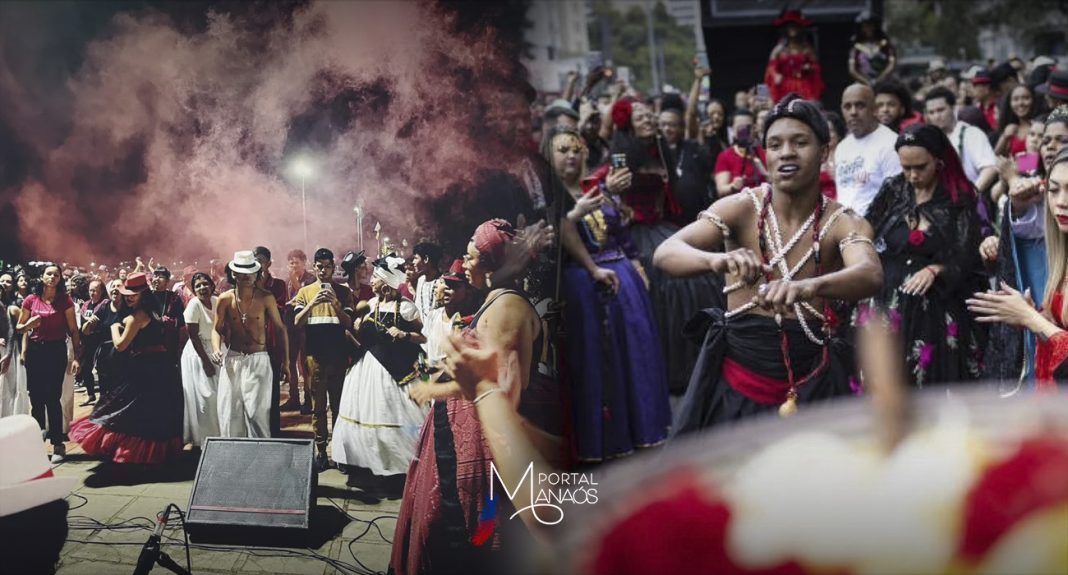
(170, 129)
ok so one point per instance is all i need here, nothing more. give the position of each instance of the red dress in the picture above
(429, 522)
(800, 72)
(140, 421)
(1051, 357)
(1017, 146)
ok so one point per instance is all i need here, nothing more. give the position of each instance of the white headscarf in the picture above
(394, 276)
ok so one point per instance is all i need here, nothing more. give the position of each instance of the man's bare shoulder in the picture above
(846, 223)
(736, 208)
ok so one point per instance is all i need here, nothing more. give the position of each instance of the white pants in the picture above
(245, 395)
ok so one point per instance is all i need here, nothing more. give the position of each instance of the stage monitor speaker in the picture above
(253, 492)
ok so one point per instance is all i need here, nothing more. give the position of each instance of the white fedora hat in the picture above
(26, 479)
(244, 262)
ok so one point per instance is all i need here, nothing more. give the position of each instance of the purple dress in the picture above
(617, 372)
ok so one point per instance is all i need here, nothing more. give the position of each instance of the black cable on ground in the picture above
(371, 523)
(81, 522)
(85, 501)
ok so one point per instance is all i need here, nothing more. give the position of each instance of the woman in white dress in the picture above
(14, 398)
(378, 424)
(200, 380)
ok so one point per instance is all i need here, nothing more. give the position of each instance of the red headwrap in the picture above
(621, 112)
(490, 239)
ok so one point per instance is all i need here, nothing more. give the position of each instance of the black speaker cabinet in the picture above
(253, 492)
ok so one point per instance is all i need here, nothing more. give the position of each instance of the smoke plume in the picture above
(179, 142)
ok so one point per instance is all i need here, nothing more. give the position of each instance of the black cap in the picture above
(351, 261)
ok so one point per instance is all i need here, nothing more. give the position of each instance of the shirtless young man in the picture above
(775, 303)
(245, 377)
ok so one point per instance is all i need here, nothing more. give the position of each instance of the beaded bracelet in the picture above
(853, 238)
(715, 220)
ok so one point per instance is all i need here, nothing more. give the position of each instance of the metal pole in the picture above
(304, 212)
(652, 49)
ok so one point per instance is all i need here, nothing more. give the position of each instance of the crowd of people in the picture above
(713, 262)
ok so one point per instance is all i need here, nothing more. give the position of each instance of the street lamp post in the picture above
(304, 213)
(302, 168)
(359, 227)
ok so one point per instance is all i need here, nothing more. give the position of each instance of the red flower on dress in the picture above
(917, 237)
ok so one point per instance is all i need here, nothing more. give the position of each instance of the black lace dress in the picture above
(941, 340)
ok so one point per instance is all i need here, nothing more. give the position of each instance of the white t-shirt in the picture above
(861, 165)
(424, 297)
(196, 313)
(977, 152)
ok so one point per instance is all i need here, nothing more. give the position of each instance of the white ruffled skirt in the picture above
(378, 424)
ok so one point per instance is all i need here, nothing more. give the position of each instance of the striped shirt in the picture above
(325, 334)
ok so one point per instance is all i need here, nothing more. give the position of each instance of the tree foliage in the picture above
(626, 43)
(951, 26)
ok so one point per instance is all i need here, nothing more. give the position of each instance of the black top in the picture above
(397, 356)
(692, 179)
(952, 240)
(106, 356)
(90, 341)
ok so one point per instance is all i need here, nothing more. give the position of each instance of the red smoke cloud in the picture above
(179, 141)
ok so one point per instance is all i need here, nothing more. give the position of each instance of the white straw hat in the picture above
(26, 479)
(244, 262)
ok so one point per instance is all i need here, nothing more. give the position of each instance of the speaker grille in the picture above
(253, 482)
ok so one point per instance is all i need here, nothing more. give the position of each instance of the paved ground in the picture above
(353, 520)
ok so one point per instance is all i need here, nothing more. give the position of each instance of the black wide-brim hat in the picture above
(1056, 86)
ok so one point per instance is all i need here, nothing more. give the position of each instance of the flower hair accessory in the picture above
(621, 112)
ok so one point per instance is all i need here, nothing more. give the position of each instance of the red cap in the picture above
(135, 283)
(982, 77)
(455, 273)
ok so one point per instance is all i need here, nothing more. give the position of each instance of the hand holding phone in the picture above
(701, 60)
(618, 180)
(589, 202)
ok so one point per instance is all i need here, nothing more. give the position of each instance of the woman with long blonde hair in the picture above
(1013, 308)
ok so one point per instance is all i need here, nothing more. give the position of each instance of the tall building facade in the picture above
(559, 41)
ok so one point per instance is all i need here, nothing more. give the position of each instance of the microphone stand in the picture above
(152, 554)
